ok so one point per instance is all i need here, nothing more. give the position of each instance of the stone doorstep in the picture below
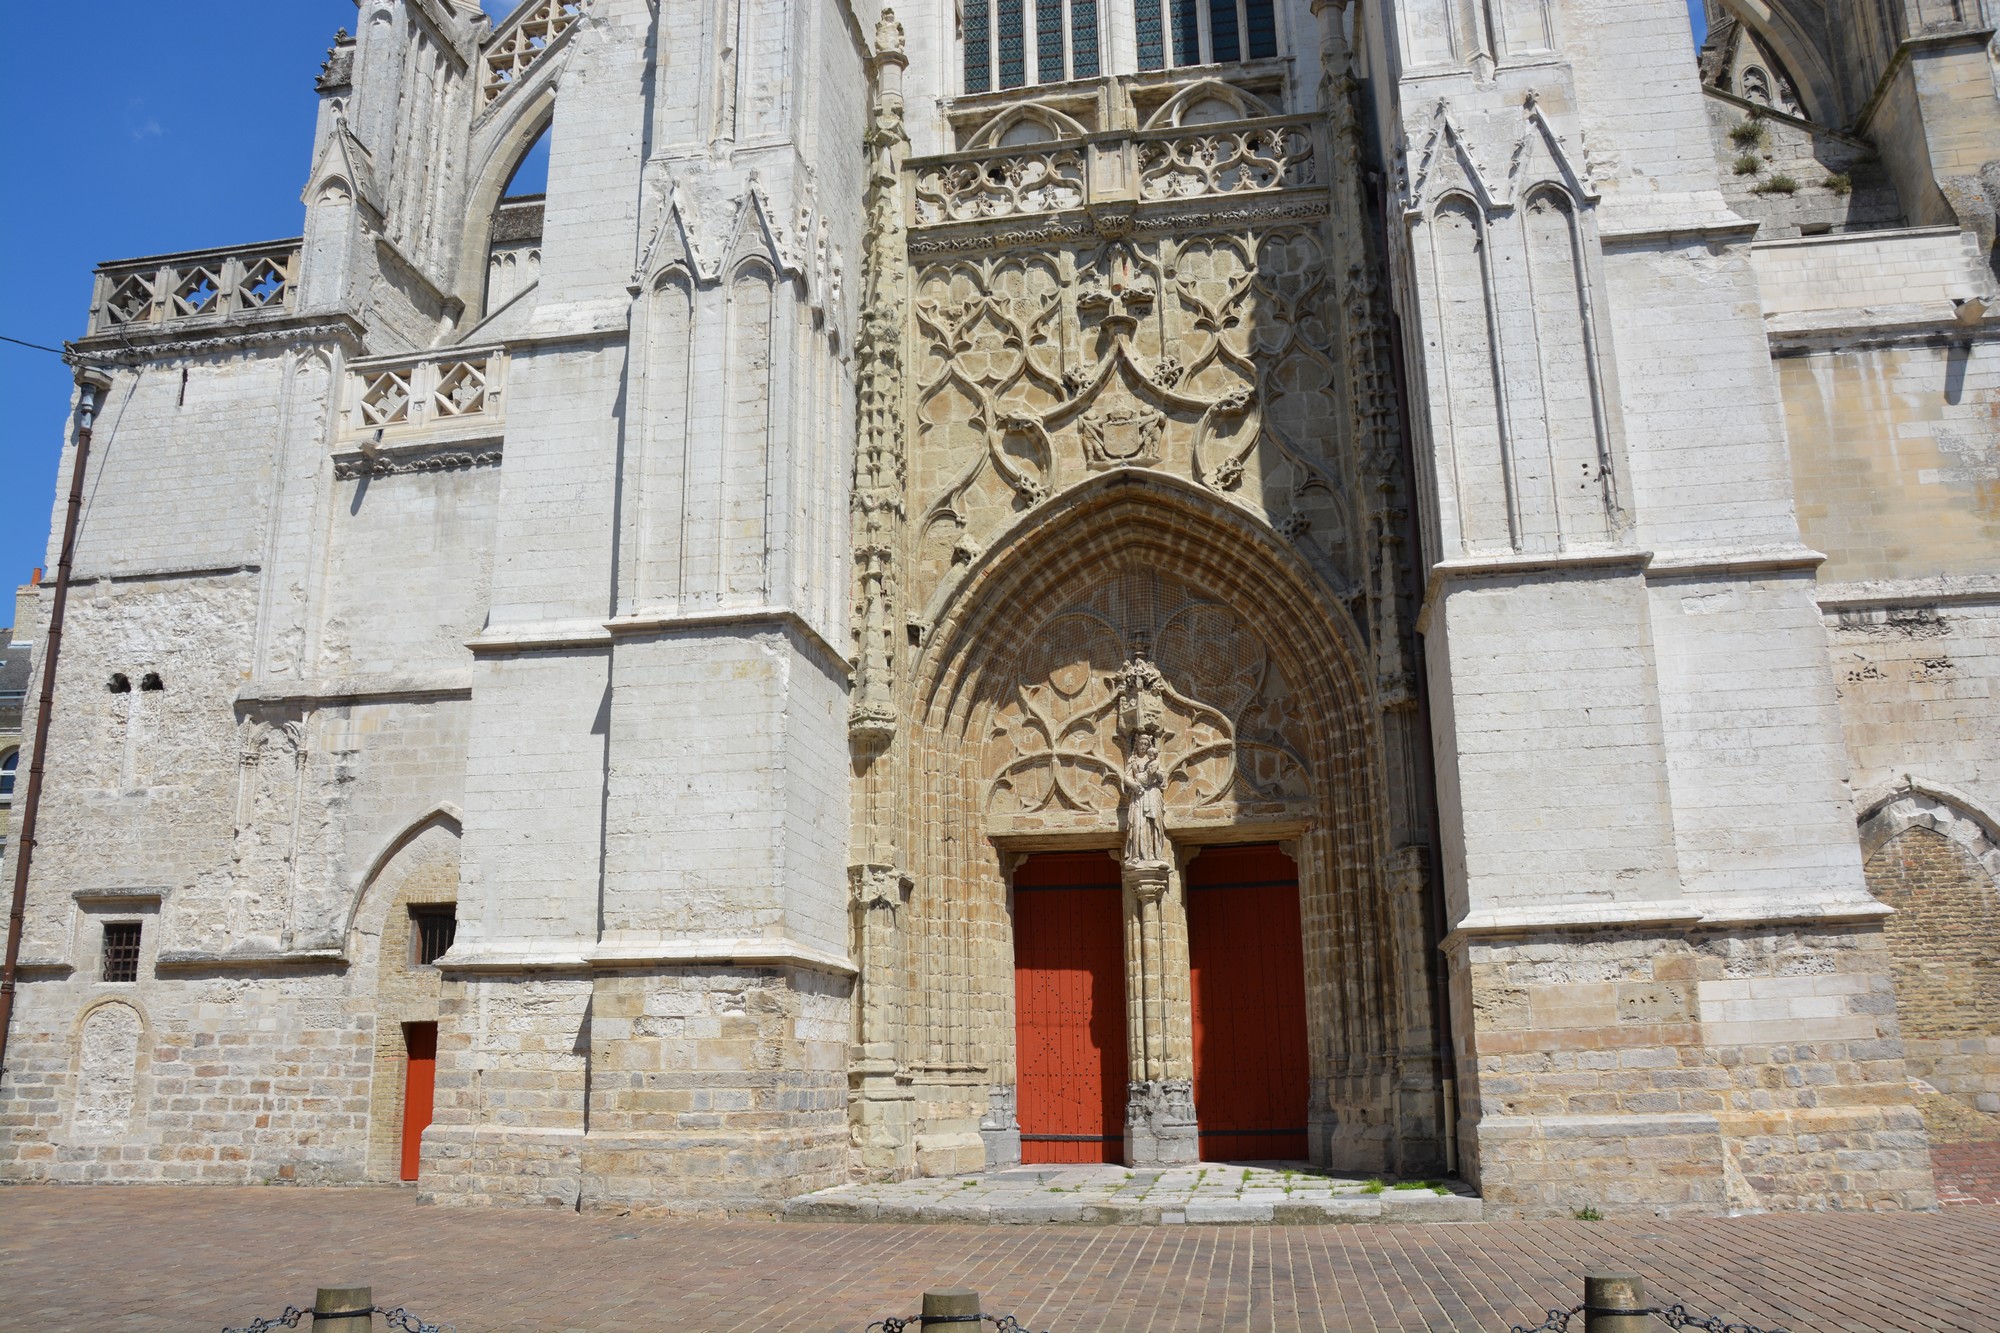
(1024, 1197)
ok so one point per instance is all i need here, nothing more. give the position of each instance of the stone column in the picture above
(1159, 1108)
(879, 1097)
(880, 1100)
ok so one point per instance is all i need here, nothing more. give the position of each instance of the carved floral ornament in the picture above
(1150, 697)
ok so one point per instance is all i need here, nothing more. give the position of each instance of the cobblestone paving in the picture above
(194, 1259)
(1113, 1194)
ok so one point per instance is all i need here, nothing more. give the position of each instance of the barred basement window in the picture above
(432, 929)
(121, 951)
(1205, 32)
(1064, 42)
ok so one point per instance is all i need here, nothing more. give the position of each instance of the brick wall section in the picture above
(1967, 1172)
(1947, 971)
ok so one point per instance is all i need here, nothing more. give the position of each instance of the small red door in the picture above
(1069, 1008)
(1251, 1076)
(419, 1081)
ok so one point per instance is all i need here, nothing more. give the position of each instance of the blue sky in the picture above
(173, 127)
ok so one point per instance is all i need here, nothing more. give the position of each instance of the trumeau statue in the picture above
(1145, 804)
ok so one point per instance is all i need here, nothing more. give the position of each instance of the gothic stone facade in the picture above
(1537, 487)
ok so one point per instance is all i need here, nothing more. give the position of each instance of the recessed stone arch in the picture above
(111, 1063)
(1270, 733)
(419, 867)
(1936, 860)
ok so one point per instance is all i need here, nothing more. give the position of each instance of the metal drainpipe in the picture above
(92, 384)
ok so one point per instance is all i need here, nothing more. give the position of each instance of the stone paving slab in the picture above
(190, 1259)
(1215, 1194)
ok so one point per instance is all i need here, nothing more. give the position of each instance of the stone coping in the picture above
(1214, 1193)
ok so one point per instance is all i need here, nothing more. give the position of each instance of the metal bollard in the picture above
(344, 1310)
(951, 1305)
(1606, 1299)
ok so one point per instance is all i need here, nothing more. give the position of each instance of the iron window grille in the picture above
(121, 951)
(432, 930)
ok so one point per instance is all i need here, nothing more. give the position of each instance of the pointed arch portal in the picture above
(1030, 957)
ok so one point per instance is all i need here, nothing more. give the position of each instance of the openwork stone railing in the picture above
(199, 285)
(1002, 184)
(524, 38)
(414, 393)
(1264, 155)
(1189, 162)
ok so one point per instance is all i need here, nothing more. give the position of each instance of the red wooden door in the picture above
(1069, 1008)
(419, 1082)
(1251, 1077)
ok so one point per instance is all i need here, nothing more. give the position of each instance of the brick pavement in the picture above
(191, 1258)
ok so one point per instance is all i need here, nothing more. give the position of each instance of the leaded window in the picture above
(1205, 32)
(1002, 47)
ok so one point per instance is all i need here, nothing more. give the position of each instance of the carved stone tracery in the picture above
(1206, 697)
(1146, 537)
(1211, 356)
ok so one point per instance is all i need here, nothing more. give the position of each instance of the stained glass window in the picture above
(1222, 30)
(1008, 47)
(1013, 36)
(978, 57)
(1263, 25)
(1083, 39)
(1187, 32)
(1152, 49)
(1048, 41)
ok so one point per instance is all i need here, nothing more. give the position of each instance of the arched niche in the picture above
(110, 1066)
(1933, 855)
(418, 869)
(1206, 102)
(1026, 123)
(1271, 735)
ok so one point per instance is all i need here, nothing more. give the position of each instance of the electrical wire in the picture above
(37, 346)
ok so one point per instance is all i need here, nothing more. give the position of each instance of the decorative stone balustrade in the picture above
(409, 394)
(1265, 155)
(201, 285)
(528, 34)
(1189, 162)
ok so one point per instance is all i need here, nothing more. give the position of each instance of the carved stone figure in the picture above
(1145, 804)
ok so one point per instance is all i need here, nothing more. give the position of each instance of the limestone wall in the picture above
(1689, 1074)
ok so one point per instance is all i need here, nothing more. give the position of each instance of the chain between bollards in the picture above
(1616, 1303)
(945, 1307)
(343, 1310)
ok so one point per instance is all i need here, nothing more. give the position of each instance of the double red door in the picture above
(1069, 1008)
(419, 1088)
(1247, 957)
